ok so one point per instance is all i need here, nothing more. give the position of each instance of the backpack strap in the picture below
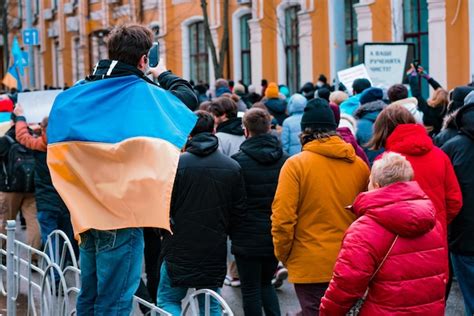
(10, 139)
(384, 258)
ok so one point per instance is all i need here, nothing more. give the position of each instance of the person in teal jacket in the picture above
(350, 105)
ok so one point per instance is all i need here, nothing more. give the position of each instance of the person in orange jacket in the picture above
(52, 212)
(309, 216)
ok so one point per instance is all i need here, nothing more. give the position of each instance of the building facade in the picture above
(286, 41)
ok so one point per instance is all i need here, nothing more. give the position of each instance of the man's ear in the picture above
(143, 63)
(246, 132)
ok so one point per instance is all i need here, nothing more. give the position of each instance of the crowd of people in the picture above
(362, 197)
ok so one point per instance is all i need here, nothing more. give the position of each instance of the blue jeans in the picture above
(111, 266)
(169, 298)
(463, 267)
(51, 220)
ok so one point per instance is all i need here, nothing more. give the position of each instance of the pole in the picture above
(4, 7)
(11, 291)
(31, 59)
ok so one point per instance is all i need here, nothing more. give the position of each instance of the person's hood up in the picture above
(202, 144)
(333, 147)
(409, 139)
(402, 208)
(277, 106)
(370, 110)
(465, 120)
(349, 122)
(266, 149)
(347, 136)
(457, 97)
(220, 91)
(296, 104)
(232, 126)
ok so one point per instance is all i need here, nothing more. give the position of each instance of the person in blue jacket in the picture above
(290, 135)
(350, 105)
(371, 106)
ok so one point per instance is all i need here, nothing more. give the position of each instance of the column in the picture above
(306, 47)
(364, 21)
(256, 52)
(437, 40)
(337, 38)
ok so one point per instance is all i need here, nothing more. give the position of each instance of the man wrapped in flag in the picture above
(114, 141)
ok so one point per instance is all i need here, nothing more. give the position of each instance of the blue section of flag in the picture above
(115, 109)
(13, 71)
(18, 56)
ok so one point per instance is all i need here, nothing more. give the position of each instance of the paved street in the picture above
(286, 295)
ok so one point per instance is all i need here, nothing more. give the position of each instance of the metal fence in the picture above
(52, 278)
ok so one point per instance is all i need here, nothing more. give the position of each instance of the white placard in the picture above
(347, 76)
(385, 63)
(37, 104)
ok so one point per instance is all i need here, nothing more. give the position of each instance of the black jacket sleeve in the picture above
(180, 88)
(434, 84)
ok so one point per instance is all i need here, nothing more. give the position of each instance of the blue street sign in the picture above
(31, 36)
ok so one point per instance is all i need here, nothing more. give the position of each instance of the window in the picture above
(292, 48)
(245, 49)
(77, 63)
(198, 53)
(56, 66)
(415, 30)
(37, 7)
(352, 49)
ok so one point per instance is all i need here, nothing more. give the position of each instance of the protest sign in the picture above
(386, 63)
(347, 76)
(38, 104)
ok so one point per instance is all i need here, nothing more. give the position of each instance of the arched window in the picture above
(198, 53)
(245, 58)
(352, 50)
(292, 48)
(415, 30)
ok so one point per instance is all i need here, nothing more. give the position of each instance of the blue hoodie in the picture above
(292, 126)
(350, 105)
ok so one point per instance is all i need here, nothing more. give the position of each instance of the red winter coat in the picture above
(433, 169)
(412, 280)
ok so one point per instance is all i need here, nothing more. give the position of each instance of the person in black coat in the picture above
(261, 157)
(460, 150)
(208, 201)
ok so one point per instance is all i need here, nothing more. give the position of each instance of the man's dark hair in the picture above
(129, 42)
(257, 121)
(223, 105)
(204, 124)
(397, 92)
(360, 84)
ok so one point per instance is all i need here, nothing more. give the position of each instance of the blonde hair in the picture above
(391, 168)
(338, 97)
(439, 98)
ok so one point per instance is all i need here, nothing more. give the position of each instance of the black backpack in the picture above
(18, 169)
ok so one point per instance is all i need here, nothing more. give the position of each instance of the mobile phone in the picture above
(416, 64)
(154, 55)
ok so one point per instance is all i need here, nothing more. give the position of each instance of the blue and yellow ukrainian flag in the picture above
(12, 79)
(113, 152)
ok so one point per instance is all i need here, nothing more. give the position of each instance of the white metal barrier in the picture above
(53, 277)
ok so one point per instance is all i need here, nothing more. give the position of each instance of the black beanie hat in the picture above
(318, 115)
(371, 95)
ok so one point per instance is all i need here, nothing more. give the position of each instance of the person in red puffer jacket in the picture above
(396, 131)
(395, 250)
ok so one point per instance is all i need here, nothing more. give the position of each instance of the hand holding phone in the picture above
(154, 55)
